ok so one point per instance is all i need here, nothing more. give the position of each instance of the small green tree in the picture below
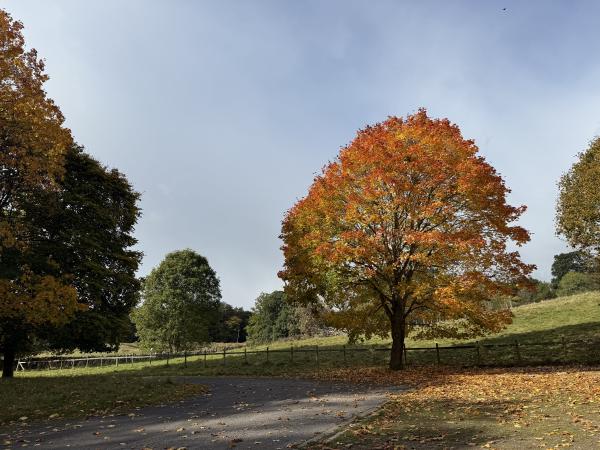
(227, 328)
(181, 300)
(576, 261)
(272, 318)
(234, 324)
(576, 282)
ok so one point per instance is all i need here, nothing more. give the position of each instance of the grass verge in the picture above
(64, 395)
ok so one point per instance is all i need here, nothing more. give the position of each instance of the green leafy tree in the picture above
(272, 318)
(181, 300)
(576, 261)
(578, 206)
(234, 323)
(86, 223)
(227, 328)
(575, 283)
(89, 231)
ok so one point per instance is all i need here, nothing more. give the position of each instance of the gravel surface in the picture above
(243, 413)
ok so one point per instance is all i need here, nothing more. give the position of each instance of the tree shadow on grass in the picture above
(445, 424)
(566, 344)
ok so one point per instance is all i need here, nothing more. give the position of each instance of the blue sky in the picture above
(221, 112)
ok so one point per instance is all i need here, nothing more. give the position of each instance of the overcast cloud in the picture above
(221, 112)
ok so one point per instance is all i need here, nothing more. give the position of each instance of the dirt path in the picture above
(258, 413)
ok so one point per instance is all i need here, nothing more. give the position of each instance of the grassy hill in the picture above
(575, 317)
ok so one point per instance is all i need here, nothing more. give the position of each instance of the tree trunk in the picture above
(398, 328)
(8, 368)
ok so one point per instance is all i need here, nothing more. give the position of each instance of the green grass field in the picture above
(65, 394)
(36, 394)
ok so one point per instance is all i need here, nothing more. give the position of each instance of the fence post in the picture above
(518, 351)
(405, 355)
(245, 355)
(317, 347)
(224, 361)
(292, 352)
(87, 360)
(205, 358)
(478, 353)
(117, 361)
(101, 361)
(437, 353)
(267, 354)
(345, 355)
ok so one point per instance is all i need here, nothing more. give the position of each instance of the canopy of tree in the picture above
(577, 261)
(409, 222)
(181, 300)
(86, 224)
(67, 273)
(273, 318)
(579, 201)
(575, 282)
(88, 228)
(231, 326)
(33, 144)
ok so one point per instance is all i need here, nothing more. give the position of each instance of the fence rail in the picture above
(474, 354)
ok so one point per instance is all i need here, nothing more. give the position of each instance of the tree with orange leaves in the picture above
(33, 145)
(407, 229)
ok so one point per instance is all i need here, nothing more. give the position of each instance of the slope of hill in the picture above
(574, 317)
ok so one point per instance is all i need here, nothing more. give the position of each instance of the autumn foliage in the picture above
(408, 228)
(33, 145)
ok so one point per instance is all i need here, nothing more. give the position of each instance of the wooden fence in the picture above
(474, 354)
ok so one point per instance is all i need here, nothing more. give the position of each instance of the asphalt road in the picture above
(242, 413)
